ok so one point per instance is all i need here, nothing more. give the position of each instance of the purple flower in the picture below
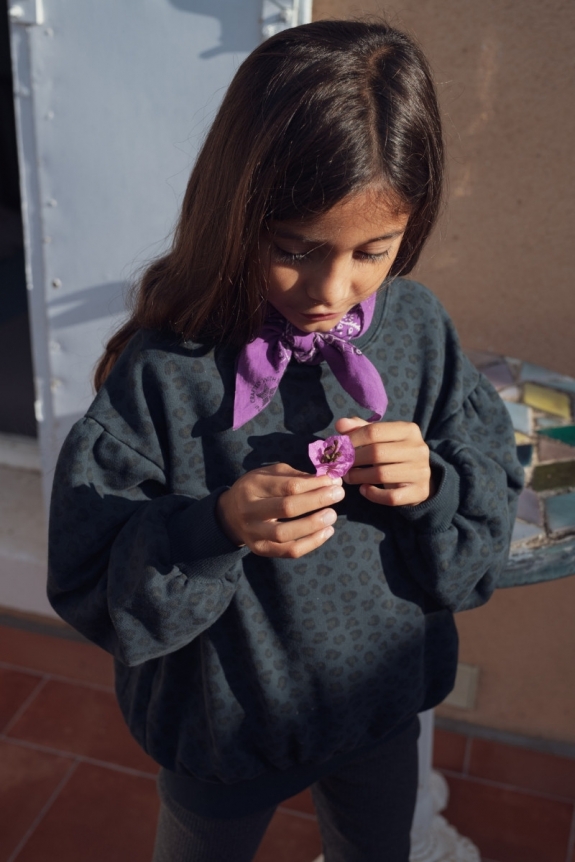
(333, 456)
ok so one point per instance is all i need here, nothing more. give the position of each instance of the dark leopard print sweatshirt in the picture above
(248, 677)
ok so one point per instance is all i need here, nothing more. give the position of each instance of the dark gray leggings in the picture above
(364, 811)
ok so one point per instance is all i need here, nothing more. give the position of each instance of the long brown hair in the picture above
(315, 113)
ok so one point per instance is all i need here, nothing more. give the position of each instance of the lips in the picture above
(319, 316)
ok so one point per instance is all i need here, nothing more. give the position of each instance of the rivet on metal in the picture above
(27, 12)
(56, 282)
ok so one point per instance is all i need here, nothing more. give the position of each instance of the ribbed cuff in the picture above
(197, 538)
(436, 514)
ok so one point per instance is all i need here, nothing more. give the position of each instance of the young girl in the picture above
(272, 628)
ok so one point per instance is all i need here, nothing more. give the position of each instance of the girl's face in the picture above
(320, 268)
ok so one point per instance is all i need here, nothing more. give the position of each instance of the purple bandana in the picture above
(262, 362)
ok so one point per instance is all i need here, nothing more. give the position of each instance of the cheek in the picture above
(372, 279)
(281, 280)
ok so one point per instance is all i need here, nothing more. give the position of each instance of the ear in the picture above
(344, 426)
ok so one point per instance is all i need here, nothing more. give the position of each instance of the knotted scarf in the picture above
(262, 362)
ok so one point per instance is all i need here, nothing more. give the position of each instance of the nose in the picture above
(329, 285)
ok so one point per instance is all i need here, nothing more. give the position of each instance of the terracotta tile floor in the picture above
(75, 787)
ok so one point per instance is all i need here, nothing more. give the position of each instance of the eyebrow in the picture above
(288, 234)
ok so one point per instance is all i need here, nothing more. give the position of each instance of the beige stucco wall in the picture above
(503, 263)
(503, 259)
(523, 641)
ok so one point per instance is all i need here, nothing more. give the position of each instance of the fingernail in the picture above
(336, 480)
(329, 517)
(328, 532)
(337, 494)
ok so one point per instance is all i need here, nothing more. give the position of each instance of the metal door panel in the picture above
(112, 101)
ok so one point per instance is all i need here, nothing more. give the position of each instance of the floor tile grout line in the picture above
(490, 782)
(571, 842)
(24, 705)
(7, 665)
(303, 815)
(71, 755)
(94, 686)
(98, 686)
(467, 755)
(42, 813)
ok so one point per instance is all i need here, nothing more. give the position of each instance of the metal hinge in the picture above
(278, 15)
(26, 12)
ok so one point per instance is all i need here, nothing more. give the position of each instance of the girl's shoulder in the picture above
(155, 358)
(411, 317)
(417, 349)
(416, 302)
(157, 378)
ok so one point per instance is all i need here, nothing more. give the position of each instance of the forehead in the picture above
(357, 219)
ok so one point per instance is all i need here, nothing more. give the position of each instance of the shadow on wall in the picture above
(235, 36)
(91, 303)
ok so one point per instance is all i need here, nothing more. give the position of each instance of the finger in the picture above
(388, 474)
(389, 453)
(298, 528)
(385, 432)
(345, 425)
(295, 505)
(292, 550)
(404, 495)
(281, 480)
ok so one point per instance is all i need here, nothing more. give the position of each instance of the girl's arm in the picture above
(454, 496)
(136, 570)
(143, 572)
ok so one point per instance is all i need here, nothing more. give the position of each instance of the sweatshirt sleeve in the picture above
(137, 570)
(456, 543)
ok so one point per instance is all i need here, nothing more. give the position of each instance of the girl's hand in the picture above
(253, 510)
(389, 454)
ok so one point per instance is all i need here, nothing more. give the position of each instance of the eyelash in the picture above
(283, 256)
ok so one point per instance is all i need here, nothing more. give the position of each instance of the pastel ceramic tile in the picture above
(548, 400)
(560, 474)
(554, 450)
(480, 358)
(525, 454)
(510, 393)
(499, 375)
(529, 507)
(550, 421)
(521, 439)
(560, 512)
(523, 532)
(521, 416)
(514, 365)
(564, 433)
(537, 374)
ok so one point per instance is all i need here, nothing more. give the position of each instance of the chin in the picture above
(322, 327)
(313, 325)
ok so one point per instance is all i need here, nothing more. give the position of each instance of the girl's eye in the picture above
(283, 256)
(365, 257)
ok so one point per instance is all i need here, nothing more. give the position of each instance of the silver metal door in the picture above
(112, 100)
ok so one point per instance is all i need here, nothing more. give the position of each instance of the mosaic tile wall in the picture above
(541, 404)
